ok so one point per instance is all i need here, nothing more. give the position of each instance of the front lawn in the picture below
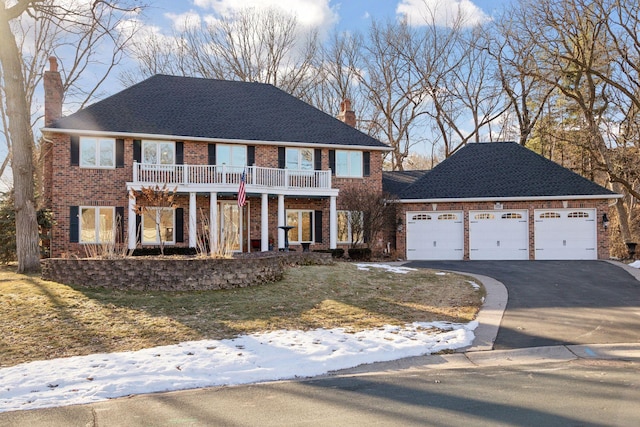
(44, 320)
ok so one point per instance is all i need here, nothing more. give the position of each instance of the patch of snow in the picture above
(247, 359)
(387, 267)
(474, 285)
(635, 264)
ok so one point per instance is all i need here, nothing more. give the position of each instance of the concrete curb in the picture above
(635, 272)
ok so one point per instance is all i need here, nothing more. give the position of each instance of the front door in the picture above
(230, 226)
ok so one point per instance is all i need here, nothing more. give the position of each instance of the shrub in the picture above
(360, 254)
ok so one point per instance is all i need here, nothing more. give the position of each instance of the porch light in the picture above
(605, 221)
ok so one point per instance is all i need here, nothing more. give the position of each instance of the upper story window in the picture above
(231, 155)
(158, 153)
(97, 224)
(97, 153)
(299, 158)
(349, 163)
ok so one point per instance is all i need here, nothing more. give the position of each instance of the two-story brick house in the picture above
(200, 137)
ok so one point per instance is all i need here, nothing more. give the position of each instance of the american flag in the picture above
(242, 194)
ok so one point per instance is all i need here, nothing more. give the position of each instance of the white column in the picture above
(131, 228)
(193, 221)
(333, 223)
(281, 221)
(264, 223)
(213, 222)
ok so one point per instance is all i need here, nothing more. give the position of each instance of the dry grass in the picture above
(43, 320)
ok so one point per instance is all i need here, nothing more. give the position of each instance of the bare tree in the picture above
(393, 88)
(47, 22)
(254, 45)
(515, 55)
(589, 52)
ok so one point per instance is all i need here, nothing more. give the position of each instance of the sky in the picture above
(324, 15)
(260, 357)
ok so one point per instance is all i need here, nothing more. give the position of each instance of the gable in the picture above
(217, 109)
(500, 170)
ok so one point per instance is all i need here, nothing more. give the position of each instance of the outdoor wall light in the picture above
(605, 221)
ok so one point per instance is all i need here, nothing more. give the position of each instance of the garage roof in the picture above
(500, 170)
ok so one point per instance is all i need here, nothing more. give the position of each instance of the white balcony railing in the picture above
(220, 175)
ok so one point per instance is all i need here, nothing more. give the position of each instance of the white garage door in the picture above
(435, 235)
(565, 234)
(498, 235)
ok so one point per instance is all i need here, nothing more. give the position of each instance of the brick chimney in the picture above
(52, 93)
(347, 115)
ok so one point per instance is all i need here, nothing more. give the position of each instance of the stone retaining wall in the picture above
(176, 274)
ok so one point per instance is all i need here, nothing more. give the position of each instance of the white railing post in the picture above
(135, 171)
(286, 178)
(185, 174)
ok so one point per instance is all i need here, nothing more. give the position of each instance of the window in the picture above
(299, 159)
(350, 226)
(157, 224)
(97, 224)
(578, 215)
(97, 153)
(549, 215)
(349, 163)
(421, 217)
(158, 153)
(512, 215)
(231, 155)
(302, 223)
(448, 217)
(484, 216)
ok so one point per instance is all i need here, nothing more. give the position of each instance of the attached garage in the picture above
(498, 235)
(510, 203)
(565, 234)
(435, 236)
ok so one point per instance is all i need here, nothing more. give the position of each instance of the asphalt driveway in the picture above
(559, 302)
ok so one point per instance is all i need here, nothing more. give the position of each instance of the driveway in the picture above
(559, 302)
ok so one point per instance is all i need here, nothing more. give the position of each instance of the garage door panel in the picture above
(565, 234)
(435, 236)
(498, 235)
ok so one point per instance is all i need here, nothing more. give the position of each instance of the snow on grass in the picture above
(635, 264)
(387, 267)
(247, 359)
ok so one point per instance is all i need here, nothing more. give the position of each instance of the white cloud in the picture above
(310, 13)
(441, 12)
(184, 20)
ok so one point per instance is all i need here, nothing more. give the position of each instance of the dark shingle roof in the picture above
(207, 108)
(394, 182)
(497, 170)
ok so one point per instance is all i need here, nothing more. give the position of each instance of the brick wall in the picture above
(67, 185)
(600, 206)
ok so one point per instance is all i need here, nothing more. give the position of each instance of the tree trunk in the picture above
(18, 113)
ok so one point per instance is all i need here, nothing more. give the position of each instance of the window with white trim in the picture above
(299, 158)
(97, 224)
(302, 223)
(512, 215)
(158, 153)
(99, 153)
(349, 163)
(421, 217)
(158, 224)
(350, 226)
(231, 155)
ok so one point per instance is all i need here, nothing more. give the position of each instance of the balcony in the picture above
(222, 176)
